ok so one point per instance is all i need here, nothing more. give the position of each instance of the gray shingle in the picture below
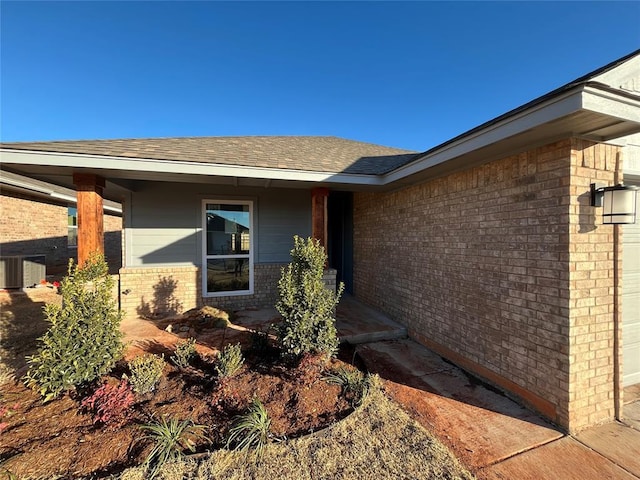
(320, 154)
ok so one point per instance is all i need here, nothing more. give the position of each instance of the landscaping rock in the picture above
(207, 317)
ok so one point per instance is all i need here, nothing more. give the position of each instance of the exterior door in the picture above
(340, 242)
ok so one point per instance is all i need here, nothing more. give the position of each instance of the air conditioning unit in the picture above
(34, 269)
(22, 271)
(11, 272)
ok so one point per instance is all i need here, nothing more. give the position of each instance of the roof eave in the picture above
(48, 192)
(605, 113)
(173, 167)
(615, 112)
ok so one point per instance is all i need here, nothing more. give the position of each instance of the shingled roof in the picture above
(320, 154)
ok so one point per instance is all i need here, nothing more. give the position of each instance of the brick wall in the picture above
(158, 292)
(592, 279)
(31, 226)
(173, 290)
(265, 287)
(480, 266)
(113, 242)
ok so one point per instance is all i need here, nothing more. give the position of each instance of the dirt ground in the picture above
(59, 438)
(22, 322)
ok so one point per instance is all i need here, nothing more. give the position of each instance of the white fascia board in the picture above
(527, 119)
(5, 179)
(45, 193)
(95, 162)
(608, 103)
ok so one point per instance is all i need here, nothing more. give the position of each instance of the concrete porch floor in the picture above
(356, 323)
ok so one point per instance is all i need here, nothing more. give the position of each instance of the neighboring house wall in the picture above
(113, 241)
(163, 228)
(30, 226)
(501, 269)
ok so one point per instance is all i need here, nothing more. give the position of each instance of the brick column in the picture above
(90, 215)
(319, 214)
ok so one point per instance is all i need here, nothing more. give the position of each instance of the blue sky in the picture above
(408, 75)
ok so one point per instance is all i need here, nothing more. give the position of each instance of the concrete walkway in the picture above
(358, 323)
(494, 436)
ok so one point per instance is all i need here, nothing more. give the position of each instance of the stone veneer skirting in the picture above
(171, 290)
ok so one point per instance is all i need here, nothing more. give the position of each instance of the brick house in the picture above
(40, 219)
(486, 247)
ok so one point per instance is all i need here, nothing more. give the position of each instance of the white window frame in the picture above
(206, 257)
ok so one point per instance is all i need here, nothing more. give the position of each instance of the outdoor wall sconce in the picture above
(618, 202)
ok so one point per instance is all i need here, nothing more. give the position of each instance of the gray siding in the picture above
(164, 220)
(281, 215)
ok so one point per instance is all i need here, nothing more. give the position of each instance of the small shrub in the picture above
(172, 438)
(185, 353)
(84, 340)
(307, 307)
(260, 344)
(225, 398)
(110, 404)
(230, 361)
(6, 375)
(146, 371)
(6, 412)
(251, 430)
(206, 317)
(262, 347)
(355, 385)
(309, 368)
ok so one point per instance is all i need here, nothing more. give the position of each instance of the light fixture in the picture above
(618, 202)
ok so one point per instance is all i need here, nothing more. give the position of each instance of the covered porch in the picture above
(356, 322)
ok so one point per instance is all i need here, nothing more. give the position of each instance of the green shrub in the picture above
(185, 353)
(84, 340)
(355, 384)
(146, 371)
(172, 438)
(306, 305)
(230, 361)
(251, 430)
(261, 345)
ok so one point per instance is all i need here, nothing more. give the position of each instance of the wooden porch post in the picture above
(90, 214)
(319, 214)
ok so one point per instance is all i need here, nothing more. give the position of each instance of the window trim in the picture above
(205, 257)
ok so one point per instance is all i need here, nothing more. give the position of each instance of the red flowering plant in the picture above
(6, 412)
(110, 404)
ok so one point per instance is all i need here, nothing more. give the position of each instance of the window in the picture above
(72, 227)
(228, 244)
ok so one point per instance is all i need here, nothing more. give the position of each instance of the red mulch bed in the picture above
(59, 439)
